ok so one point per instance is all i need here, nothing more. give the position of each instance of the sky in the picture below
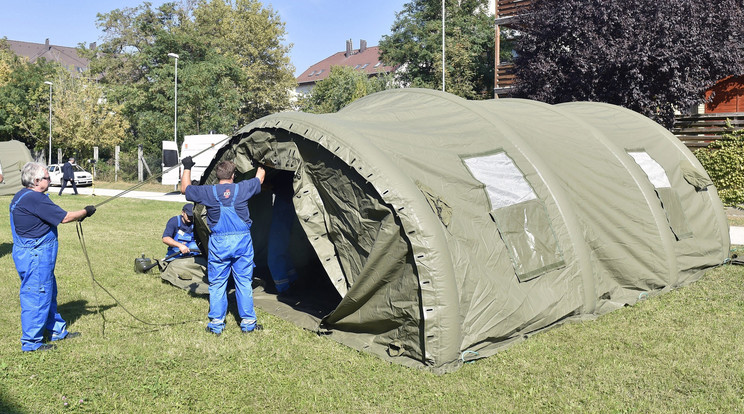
(316, 28)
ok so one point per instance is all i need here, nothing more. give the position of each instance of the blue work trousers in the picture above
(35, 260)
(231, 252)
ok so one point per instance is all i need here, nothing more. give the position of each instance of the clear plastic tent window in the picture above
(505, 183)
(653, 170)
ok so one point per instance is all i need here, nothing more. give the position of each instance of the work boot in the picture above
(216, 326)
(250, 325)
(45, 347)
(70, 335)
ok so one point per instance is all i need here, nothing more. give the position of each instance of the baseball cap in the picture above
(188, 209)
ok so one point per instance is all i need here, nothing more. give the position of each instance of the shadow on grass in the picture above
(8, 406)
(5, 249)
(72, 311)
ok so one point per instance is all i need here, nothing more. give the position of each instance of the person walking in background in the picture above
(33, 221)
(230, 243)
(68, 174)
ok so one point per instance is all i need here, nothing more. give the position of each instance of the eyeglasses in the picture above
(47, 178)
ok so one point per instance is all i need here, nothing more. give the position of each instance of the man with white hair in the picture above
(33, 221)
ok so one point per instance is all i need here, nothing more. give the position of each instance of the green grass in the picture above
(674, 353)
(123, 185)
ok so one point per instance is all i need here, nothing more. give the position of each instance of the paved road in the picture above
(737, 235)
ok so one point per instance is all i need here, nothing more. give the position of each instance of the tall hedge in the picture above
(724, 162)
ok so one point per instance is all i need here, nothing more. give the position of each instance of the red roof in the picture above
(367, 61)
(67, 56)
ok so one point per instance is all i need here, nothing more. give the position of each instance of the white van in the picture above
(206, 146)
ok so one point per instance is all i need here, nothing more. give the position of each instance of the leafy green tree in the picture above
(232, 67)
(651, 56)
(84, 118)
(251, 35)
(24, 99)
(416, 43)
(342, 86)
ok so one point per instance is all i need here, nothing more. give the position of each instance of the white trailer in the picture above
(206, 146)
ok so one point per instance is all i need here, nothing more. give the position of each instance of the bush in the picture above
(724, 162)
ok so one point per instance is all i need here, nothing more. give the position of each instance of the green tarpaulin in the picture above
(444, 230)
(13, 156)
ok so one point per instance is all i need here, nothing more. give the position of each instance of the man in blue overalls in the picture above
(187, 268)
(179, 234)
(33, 220)
(230, 244)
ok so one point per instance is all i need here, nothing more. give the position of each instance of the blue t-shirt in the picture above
(35, 215)
(172, 227)
(203, 194)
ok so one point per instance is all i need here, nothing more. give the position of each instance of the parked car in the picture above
(82, 177)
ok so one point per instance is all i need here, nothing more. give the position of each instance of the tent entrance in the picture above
(277, 234)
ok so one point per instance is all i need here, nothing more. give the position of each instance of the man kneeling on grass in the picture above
(184, 266)
(230, 244)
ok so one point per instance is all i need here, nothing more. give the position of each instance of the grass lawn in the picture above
(123, 185)
(678, 352)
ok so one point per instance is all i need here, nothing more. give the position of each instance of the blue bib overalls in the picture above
(35, 260)
(230, 248)
(185, 238)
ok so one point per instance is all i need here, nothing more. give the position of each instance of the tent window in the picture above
(653, 169)
(505, 184)
(667, 195)
(521, 218)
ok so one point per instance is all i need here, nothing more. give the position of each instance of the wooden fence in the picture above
(697, 131)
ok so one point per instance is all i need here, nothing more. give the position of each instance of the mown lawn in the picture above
(679, 352)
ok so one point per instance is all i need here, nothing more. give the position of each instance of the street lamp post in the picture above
(50, 121)
(175, 102)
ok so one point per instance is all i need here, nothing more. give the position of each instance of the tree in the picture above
(232, 66)
(24, 98)
(416, 42)
(251, 35)
(343, 86)
(652, 56)
(84, 118)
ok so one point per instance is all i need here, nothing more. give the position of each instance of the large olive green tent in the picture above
(449, 229)
(13, 156)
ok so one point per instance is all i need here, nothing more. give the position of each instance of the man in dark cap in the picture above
(184, 266)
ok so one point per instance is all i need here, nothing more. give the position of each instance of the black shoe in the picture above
(258, 327)
(213, 332)
(72, 335)
(45, 347)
